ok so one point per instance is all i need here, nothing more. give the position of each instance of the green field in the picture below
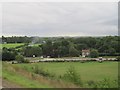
(17, 76)
(13, 76)
(88, 71)
(36, 44)
(11, 45)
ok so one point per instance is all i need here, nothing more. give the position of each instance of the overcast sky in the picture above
(60, 19)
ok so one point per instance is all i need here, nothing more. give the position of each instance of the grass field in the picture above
(18, 78)
(89, 71)
(11, 45)
(24, 79)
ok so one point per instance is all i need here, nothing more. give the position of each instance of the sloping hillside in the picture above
(14, 76)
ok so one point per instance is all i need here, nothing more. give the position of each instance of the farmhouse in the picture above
(85, 53)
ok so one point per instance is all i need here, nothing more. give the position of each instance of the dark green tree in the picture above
(30, 51)
(94, 53)
(73, 52)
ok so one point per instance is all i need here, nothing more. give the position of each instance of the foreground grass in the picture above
(0, 68)
(21, 80)
(21, 77)
(12, 76)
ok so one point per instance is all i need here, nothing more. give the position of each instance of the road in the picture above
(71, 59)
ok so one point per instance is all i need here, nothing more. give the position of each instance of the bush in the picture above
(30, 51)
(26, 61)
(8, 56)
(73, 52)
(94, 53)
(118, 58)
(19, 59)
(105, 83)
(72, 76)
(42, 72)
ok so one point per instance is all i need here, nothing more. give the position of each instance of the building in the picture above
(85, 53)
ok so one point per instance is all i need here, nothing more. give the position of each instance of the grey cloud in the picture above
(60, 19)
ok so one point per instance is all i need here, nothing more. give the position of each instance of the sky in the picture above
(48, 19)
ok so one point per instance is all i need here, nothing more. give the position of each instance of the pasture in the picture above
(14, 45)
(24, 75)
(11, 45)
(88, 71)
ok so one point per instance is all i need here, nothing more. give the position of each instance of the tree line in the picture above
(63, 47)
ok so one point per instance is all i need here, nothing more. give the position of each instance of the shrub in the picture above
(72, 76)
(8, 56)
(42, 72)
(73, 52)
(19, 59)
(118, 58)
(30, 51)
(33, 75)
(105, 83)
(26, 61)
(94, 53)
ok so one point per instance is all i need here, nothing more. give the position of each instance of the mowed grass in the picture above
(11, 45)
(88, 71)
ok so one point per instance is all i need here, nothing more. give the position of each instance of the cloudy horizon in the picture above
(49, 19)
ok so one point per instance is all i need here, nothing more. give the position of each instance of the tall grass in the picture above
(41, 71)
(71, 75)
(105, 83)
